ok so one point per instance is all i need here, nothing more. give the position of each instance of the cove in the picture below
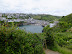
(32, 28)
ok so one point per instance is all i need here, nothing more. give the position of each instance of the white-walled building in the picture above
(3, 18)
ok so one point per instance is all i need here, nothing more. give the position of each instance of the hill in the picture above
(45, 17)
(59, 37)
(67, 18)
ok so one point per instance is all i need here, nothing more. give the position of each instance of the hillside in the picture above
(67, 18)
(45, 17)
(59, 37)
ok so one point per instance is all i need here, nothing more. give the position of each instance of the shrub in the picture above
(15, 41)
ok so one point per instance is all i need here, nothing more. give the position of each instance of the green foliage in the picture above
(1, 22)
(49, 37)
(37, 17)
(3, 15)
(47, 17)
(60, 36)
(62, 39)
(62, 26)
(64, 50)
(67, 18)
(15, 41)
(15, 23)
(43, 17)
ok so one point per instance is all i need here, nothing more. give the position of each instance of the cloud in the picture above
(53, 7)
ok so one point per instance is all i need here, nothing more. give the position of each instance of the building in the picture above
(2, 18)
(0, 14)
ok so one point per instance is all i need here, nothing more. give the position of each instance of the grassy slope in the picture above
(60, 34)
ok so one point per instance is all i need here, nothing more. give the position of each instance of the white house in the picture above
(3, 18)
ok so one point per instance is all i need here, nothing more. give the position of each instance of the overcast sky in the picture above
(53, 7)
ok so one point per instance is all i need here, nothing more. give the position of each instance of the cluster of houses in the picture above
(10, 17)
(2, 18)
(15, 18)
(15, 15)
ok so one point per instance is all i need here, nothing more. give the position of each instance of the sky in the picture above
(53, 7)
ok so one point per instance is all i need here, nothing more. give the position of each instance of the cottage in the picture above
(2, 18)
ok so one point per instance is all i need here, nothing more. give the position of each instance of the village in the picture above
(15, 18)
(28, 21)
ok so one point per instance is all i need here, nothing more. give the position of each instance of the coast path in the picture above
(48, 51)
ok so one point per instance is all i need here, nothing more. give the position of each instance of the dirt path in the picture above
(47, 51)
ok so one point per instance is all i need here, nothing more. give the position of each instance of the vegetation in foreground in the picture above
(58, 38)
(15, 41)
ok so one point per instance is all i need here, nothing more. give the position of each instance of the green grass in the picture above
(64, 50)
(37, 17)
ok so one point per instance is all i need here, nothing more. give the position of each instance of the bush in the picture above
(15, 41)
(49, 36)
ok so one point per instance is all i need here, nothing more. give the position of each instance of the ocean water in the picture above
(32, 28)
